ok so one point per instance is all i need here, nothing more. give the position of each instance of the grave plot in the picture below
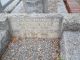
(35, 37)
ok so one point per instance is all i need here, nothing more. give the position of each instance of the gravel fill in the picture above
(33, 49)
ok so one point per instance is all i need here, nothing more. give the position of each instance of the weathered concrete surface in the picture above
(70, 46)
(72, 22)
